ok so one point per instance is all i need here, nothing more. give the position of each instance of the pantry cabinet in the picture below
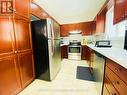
(9, 77)
(22, 34)
(6, 35)
(16, 56)
(119, 10)
(22, 7)
(26, 67)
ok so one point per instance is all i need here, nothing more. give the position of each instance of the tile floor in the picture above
(65, 83)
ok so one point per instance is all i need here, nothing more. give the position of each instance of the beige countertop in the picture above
(117, 55)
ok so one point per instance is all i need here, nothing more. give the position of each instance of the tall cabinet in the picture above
(16, 55)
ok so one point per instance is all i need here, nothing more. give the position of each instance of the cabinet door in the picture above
(126, 8)
(105, 91)
(119, 12)
(9, 77)
(63, 31)
(84, 52)
(86, 28)
(6, 35)
(22, 33)
(64, 51)
(109, 87)
(100, 23)
(26, 67)
(38, 11)
(22, 7)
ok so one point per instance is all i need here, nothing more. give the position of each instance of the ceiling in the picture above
(71, 11)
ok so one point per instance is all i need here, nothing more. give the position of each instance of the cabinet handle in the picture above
(16, 51)
(119, 69)
(114, 94)
(115, 82)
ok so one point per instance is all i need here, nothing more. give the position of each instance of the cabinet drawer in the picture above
(105, 91)
(110, 88)
(120, 86)
(117, 69)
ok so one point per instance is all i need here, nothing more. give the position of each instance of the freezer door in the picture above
(49, 28)
(54, 58)
(56, 30)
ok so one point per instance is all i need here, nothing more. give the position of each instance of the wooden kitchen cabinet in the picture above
(115, 78)
(90, 58)
(100, 23)
(85, 53)
(26, 67)
(16, 57)
(23, 37)
(9, 77)
(119, 11)
(6, 35)
(64, 31)
(22, 7)
(37, 11)
(64, 51)
(109, 87)
(85, 28)
(125, 8)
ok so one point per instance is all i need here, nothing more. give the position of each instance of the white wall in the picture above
(115, 33)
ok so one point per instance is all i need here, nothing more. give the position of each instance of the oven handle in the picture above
(74, 46)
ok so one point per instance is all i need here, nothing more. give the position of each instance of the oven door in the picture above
(74, 52)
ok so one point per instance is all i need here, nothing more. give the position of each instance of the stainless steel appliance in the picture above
(46, 44)
(74, 50)
(103, 43)
(98, 71)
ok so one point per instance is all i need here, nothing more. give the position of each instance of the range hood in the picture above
(77, 32)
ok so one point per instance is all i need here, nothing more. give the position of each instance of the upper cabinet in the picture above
(6, 35)
(22, 8)
(100, 23)
(85, 28)
(119, 10)
(126, 8)
(23, 37)
(19, 7)
(38, 11)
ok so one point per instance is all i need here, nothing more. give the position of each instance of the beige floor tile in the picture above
(64, 84)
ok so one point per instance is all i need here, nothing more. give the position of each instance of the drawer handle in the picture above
(114, 94)
(118, 69)
(115, 82)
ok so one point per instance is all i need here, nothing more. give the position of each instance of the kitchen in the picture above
(88, 33)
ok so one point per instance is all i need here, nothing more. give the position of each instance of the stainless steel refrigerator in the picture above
(46, 45)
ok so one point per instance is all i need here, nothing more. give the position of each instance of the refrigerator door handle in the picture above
(52, 39)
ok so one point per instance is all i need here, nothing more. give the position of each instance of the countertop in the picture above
(115, 54)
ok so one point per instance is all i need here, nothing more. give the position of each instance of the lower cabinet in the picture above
(64, 51)
(115, 78)
(9, 76)
(84, 52)
(106, 92)
(16, 72)
(90, 59)
(26, 68)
